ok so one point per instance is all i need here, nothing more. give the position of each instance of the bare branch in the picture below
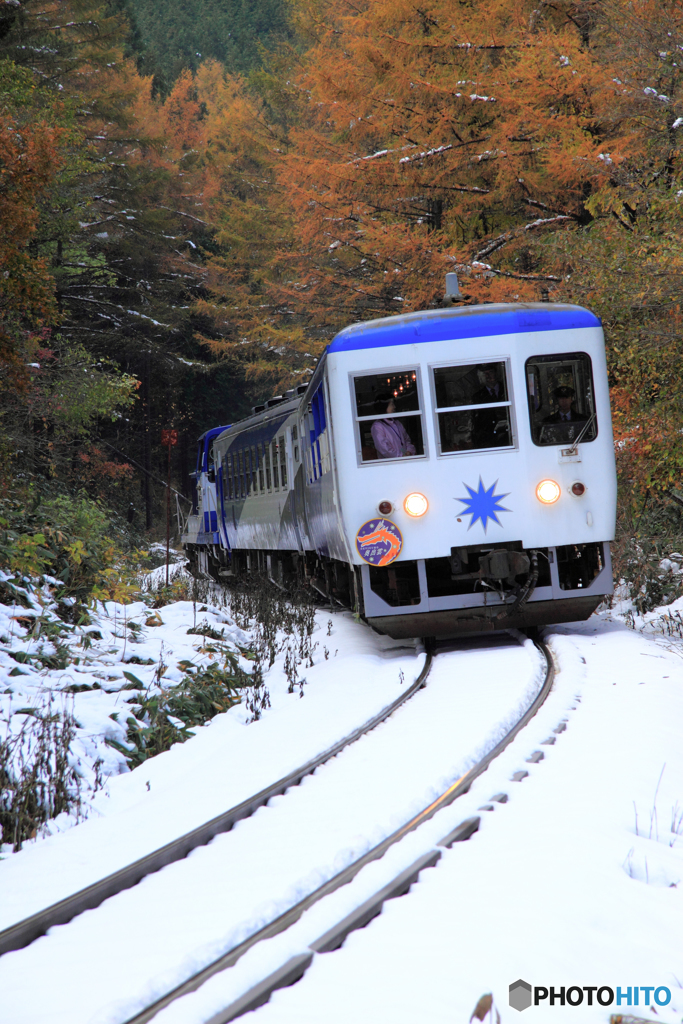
(180, 213)
(508, 273)
(507, 236)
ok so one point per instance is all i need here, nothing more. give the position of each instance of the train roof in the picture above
(462, 322)
(259, 424)
(213, 431)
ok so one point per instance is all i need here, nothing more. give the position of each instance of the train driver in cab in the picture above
(560, 422)
(389, 436)
(566, 413)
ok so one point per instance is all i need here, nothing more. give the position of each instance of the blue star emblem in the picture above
(483, 504)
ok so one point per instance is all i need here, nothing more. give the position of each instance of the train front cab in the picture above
(519, 498)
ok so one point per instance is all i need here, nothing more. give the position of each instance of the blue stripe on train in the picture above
(464, 322)
(210, 522)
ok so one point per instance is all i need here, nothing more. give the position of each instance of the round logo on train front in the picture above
(379, 542)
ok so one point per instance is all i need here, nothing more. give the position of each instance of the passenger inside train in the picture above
(389, 436)
(460, 393)
(395, 397)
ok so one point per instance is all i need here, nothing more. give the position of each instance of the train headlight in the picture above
(416, 504)
(578, 488)
(548, 492)
(385, 508)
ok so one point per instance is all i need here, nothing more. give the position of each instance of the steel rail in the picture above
(295, 968)
(24, 932)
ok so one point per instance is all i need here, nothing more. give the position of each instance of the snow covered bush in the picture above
(39, 776)
(648, 572)
(167, 715)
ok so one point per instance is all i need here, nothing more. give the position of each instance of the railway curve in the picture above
(294, 969)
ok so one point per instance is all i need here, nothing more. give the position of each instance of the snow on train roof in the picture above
(462, 322)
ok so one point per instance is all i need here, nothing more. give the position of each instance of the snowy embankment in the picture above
(227, 760)
(81, 669)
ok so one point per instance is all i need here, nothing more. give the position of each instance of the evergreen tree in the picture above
(116, 232)
(172, 36)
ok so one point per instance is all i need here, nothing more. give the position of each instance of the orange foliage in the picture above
(529, 146)
(29, 160)
(96, 468)
(404, 146)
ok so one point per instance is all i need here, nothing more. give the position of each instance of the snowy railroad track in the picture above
(294, 968)
(24, 932)
(200, 911)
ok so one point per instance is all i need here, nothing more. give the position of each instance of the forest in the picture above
(195, 197)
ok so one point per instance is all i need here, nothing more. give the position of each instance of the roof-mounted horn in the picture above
(453, 294)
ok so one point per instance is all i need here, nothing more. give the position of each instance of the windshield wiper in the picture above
(575, 445)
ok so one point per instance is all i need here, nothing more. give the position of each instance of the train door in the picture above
(294, 461)
(224, 488)
(208, 479)
(298, 489)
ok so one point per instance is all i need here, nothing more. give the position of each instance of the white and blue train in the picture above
(442, 472)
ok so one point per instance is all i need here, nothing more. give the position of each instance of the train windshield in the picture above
(561, 399)
(473, 406)
(388, 415)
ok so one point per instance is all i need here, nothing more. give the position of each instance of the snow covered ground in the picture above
(228, 760)
(198, 908)
(577, 880)
(93, 673)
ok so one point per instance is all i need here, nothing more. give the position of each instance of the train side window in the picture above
(473, 406)
(227, 476)
(561, 399)
(245, 472)
(276, 466)
(253, 478)
(283, 460)
(388, 415)
(259, 452)
(266, 460)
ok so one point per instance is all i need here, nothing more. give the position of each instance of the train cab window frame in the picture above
(555, 385)
(464, 421)
(370, 401)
